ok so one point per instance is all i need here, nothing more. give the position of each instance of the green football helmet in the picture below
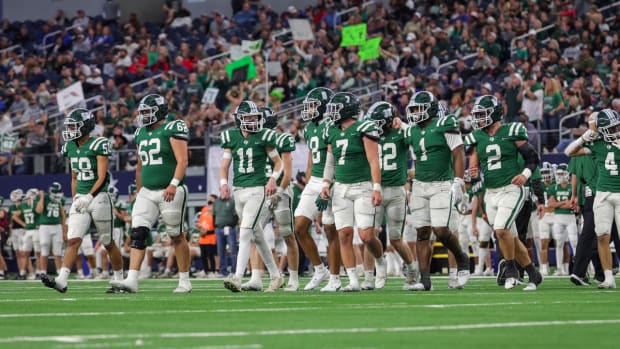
(382, 114)
(546, 172)
(422, 106)
(31, 194)
(55, 191)
(78, 123)
(16, 195)
(132, 189)
(270, 118)
(561, 173)
(249, 116)
(486, 111)
(1, 200)
(343, 106)
(151, 109)
(608, 124)
(315, 103)
(113, 192)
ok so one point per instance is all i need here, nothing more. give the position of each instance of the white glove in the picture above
(456, 191)
(275, 199)
(589, 135)
(81, 202)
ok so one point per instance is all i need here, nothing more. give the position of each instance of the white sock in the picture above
(334, 277)
(482, 256)
(256, 276)
(412, 266)
(265, 253)
(183, 276)
(63, 275)
(132, 275)
(352, 274)
(452, 273)
(609, 275)
(243, 254)
(118, 274)
(22, 272)
(559, 254)
(80, 272)
(380, 261)
(293, 276)
(566, 267)
(369, 275)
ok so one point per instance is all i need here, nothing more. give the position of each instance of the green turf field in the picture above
(559, 315)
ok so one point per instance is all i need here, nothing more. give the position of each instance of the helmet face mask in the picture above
(382, 114)
(113, 193)
(78, 123)
(315, 103)
(55, 191)
(343, 106)
(608, 123)
(310, 109)
(31, 194)
(546, 172)
(561, 173)
(423, 106)
(333, 112)
(249, 117)
(147, 114)
(485, 112)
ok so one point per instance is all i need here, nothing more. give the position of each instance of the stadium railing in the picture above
(338, 15)
(11, 48)
(45, 44)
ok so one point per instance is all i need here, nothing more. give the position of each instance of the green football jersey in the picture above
(285, 143)
(393, 158)
(433, 157)
(29, 216)
(349, 154)
(83, 160)
(296, 197)
(121, 206)
(547, 187)
(51, 211)
(584, 168)
(498, 154)
(560, 193)
(12, 209)
(607, 158)
(156, 154)
(316, 137)
(249, 155)
(477, 189)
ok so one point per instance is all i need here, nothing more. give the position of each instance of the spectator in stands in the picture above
(122, 59)
(82, 20)
(513, 97)
(219, 23)
(532, 96)
(553, 107)
(81, 44)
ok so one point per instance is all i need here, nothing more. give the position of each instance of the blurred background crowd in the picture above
(551, 62)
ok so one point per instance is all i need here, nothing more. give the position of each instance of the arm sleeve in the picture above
(539, 190)
(530, 156)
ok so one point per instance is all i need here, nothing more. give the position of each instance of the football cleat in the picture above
(252, 286)
(332, 286)
(501, 272)
(113, 290)
(130, 287)
(291, 287)
(351, 288)
(233, 283)
(368, 285)
(184, 287)
(316, 280)
(579, 281)
(275, 284)
(510, 283)
(51, 283)
(608, 284)
(417, 287)
(381, 275)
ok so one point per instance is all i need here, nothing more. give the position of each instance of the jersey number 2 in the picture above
(494, 161)
(387, 153)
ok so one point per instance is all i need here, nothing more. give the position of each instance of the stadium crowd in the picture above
(500, 48)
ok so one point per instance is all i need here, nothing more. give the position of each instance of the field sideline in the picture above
(483, 315)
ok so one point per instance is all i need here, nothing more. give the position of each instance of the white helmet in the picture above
(16, 195)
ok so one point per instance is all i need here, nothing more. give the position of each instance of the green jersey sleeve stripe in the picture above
(96, 143)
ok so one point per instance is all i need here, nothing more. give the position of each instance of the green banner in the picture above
(242, 63)
(370, 49)
(353, 35)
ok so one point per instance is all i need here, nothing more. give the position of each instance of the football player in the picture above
(352, 164)
(480, 225)
(247, 148)
(313, 113)
(606, 152)
(496, 148)
(17, 233)
(438, 183)
(160, 180)
(465, 231)
(564, 223)
(50, 208)
(88, 157)
(545, 224)
(393, 163)
(26, 216)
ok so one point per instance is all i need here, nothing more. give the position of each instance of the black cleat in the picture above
(501, 273)
(113, 290)
(51, 283)
(579, 281)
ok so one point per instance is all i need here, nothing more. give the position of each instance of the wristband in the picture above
(376, 187)
(459, 181)
(175, 182)
(276, 174)
(223, 181)
(280, 190)
(527, 173)
(326, 184)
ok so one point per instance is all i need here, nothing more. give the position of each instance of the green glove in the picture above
(321, 203)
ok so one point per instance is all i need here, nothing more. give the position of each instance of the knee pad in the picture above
(285, 221)
(138, 237)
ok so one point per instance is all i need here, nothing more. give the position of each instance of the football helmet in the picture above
(608, 124)
(16, 195)
(546, 172)
(270, 118)
(422, 106)
(55, 191)
(486, 111)
(249, 117)
(382, 114)
(113, 192)
(561, 173)
(315, 103)
(151, 109)
(78, 123)
(132, 189)
(31, 194)
(343, 106)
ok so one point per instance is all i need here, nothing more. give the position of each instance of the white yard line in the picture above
(326, 307)
(83, 338)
